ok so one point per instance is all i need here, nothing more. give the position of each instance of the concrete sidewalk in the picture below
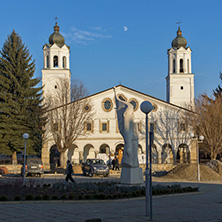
(203, 206)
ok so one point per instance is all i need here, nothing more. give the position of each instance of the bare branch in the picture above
(66, 119)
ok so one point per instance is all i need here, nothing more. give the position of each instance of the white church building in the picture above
(101, 137)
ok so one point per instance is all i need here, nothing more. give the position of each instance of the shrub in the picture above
(3, 198)
(29, 197)
(102, 196)
(17, 198)
(71, 197)
(137, 193)
(142, 192)
(87, 197)
(155, 192)
(38, 198)
(114, 196)
(63, 197)
(54, 197)
(119, 195)
(96, 196)
(80, 197)
(125, 195)
(46, 197)
(109, 196)
(134, 194)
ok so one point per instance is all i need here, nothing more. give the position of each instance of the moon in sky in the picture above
(125, 28)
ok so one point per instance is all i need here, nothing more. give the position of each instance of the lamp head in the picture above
(201, 138)
(25, 136)
(146, 107)
(192, 135)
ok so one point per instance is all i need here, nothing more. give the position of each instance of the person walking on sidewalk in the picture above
(69, 172)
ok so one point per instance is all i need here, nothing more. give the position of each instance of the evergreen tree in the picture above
(20, 99)
(218, 91)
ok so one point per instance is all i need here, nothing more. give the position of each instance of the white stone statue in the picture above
(128, 130)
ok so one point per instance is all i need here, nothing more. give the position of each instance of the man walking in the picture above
(69, 172)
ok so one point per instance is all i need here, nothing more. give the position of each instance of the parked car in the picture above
(95, 167)
(33, 166)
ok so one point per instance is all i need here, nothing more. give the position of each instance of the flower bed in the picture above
(82, 191)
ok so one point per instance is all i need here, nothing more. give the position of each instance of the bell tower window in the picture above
(181, 65)
(55, 61)
(64, 62)
(47, 61)
(188, 66)
(174, 66)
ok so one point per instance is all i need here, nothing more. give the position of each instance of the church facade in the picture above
(101, 137)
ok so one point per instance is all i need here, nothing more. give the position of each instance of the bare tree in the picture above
(171, 133)
(208, 122)
(70, 109)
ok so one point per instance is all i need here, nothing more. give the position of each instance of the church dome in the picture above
(179, 41)
(56, 37)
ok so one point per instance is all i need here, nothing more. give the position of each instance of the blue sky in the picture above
(103, 54)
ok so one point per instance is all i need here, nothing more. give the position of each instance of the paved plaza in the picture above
(205, 205)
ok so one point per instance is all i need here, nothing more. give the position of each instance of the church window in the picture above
(181, 87)
(107, 104)
(55, 127)
(64, 62)
(47, 61)
(104, 126)
(188, 66)
(55, 61)
(174, 66)
(134, 103)
(88, 126)
(182, 127)
(122, 97)
(181, 65)
(139, 126)
(87, 108)
(153, 126)
(154, 107)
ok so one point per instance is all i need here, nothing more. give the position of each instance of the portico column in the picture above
(80, 156)
(96, 153)
(45, 156)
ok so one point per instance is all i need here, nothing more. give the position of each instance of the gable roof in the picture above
(144, 94)
(130, 89)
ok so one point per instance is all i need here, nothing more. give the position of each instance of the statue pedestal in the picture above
(132, 176)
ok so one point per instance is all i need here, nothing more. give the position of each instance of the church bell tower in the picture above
(56, 63)
(180, 79)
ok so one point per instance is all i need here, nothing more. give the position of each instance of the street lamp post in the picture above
(146, 107)
(25, 136)
(198, 140)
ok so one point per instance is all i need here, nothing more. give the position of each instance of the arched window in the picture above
(181, 65)
(64, 62)
(188, 66)
(55, 61)
(47, 61)
(174, 66)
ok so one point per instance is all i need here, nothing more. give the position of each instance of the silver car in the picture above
(95, 167)
(33, 166)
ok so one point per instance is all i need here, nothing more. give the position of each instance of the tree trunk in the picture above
(14, 158)
(213, 155)
(62, 160)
